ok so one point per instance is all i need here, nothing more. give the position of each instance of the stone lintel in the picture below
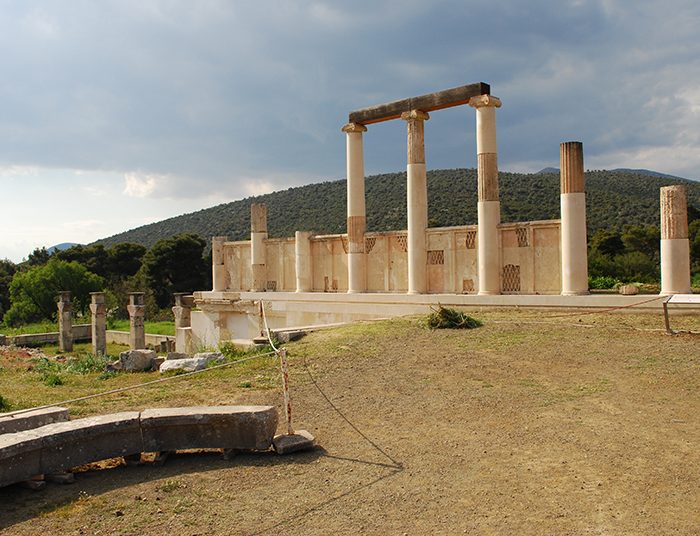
(415, 115)
(432, 101)
(354, 127)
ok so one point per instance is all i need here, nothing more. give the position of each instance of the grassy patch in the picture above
(156, 328)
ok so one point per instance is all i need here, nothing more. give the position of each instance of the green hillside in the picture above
(615, 198)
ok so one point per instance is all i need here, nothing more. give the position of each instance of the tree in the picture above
(175, 265)
(33, 292)
(124, 260)
(7, 271)
(38, 257)
(94, 258)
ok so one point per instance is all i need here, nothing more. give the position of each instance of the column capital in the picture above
(485, 101)
(354, 127)
(415, 115)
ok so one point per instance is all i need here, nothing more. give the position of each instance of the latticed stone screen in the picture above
(468, 285)
(370, 242)
(402, 240)
(271, 285)
(436, 256)
(511, 278)
(523, 239)
(471, 239)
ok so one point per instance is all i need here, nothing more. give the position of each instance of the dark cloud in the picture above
(216, 94)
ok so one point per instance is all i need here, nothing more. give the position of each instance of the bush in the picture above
(604, 282)
(445, 318)
(4, 404)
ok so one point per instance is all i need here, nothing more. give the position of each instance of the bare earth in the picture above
(532, 424)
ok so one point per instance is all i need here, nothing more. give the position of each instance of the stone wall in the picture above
(530, 261)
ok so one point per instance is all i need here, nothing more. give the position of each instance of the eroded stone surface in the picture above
(296, 442)
(10, 423)
(136, 360)
(240, 427)
(20, 456)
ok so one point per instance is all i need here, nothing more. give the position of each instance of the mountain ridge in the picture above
(614, 199)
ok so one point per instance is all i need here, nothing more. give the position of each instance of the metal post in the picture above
(285, 387)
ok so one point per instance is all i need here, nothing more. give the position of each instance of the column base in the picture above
(487, 293)
(573, 293)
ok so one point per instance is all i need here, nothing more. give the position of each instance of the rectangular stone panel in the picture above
(10, 423)
(20, 457)
(234, 427)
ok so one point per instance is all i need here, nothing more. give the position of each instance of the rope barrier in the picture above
(283, 352)
(137, 386)
(609, 309)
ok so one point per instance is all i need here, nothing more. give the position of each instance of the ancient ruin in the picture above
(363, 274)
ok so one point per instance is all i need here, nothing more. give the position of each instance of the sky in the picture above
(115, 114)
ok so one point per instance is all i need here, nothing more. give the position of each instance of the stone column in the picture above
(675, 246)
(183, 310)
(137, 331)
(218, 271)
(98, 308)
(304, 269)
(489, 207)
(258, 235)
(574, 248)
(65, 322)
(357, 221)
(417, 201)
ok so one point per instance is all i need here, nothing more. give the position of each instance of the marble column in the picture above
(489, 206)
(417, 201)
(304, 268)
(675, 246)
(218, 275)
(65, 322)
(258, 235)
(98, 308)
(137, 311)
(574, 247)
(357, 221)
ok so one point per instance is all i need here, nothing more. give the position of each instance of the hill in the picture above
(61, 246)
(615, 198)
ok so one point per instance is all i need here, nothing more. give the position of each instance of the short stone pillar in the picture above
(417, 201)
(675, 246)
(98, 308)
(137, 311)
(218, 271)
(65, 322)
(574, 248)
(303, 261)
(183, 310)
(489, 206)
(357, 220)
(258, 235)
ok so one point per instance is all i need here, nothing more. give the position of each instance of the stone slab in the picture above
(20, 456)
(136, 360)
(68, 444)
(226, 427)
(296, 442)
(11, 423)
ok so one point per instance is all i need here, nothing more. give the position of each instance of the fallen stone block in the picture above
(289, 336)
(629, 290)
(69, 444)
(157, 362)
(137, 360)
(190, 364)
(298, 441)
(217, 427)
(20, 456)
(209, 356)
(177, 355)
(11, 423)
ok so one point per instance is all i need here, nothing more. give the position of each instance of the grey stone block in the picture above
(20, 456)
(187, 365)
(136, 360)
(209, 356)
(226, 427)
(298, 441)
(11, 423)
(69, 444)
(177, 355)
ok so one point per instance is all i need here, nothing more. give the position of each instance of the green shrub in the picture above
(604, 282)
(86, 363)
(695, 283)
(443, 317)
(49, 371)
(4, 404)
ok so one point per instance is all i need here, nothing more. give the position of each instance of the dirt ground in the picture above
(531, 424)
